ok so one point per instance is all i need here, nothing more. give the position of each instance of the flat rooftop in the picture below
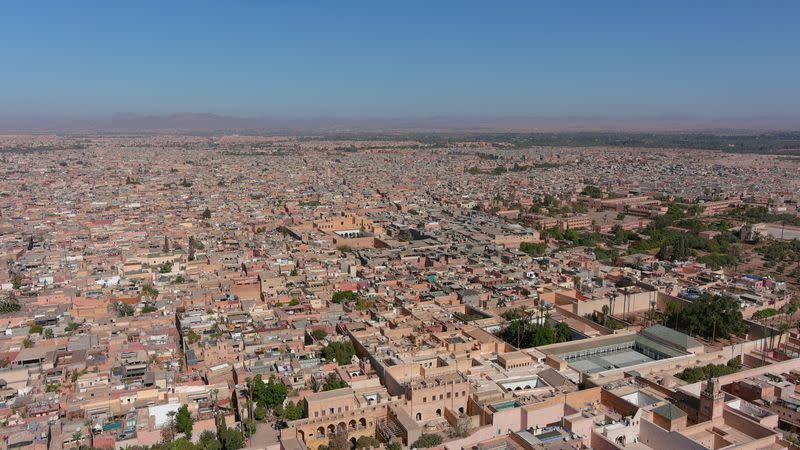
(628, 352)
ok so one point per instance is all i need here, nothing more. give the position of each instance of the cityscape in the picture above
(508, 280)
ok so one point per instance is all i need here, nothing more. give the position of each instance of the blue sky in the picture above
(401, 59)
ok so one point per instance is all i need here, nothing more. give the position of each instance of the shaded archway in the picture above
(321, 432)
(302, 435)
(438, 413)
(419, 416)
(353, 425)
(363, 422)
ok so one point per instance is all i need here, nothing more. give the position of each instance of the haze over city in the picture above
(398, 226)
(622, 63)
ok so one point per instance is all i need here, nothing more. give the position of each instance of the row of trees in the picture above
(181, 422)
(340, 442)
(695, 374)
(533, 249)
(710, 316)
(522, 333)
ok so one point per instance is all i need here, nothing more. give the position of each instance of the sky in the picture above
(401, 58)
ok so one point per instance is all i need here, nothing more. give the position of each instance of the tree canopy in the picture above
(711, 316)
(268, 395)
(341, 352)
(340, 296)
(184, 422)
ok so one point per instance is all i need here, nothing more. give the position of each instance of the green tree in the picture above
(592, 191)
(341, 352)
(365, 442)
(149, 291)
(260, 413)
(9, 305)
(427, 440)
(319, 334)
(168, 430)
(695, 374)
(208, 441)
(124, 309)
(36, 329)
(291, 411)
(231, 439)
(340, 296)
(184, 422)
(192, 337)
(712, 316)
(333, 382)
(16, 282)
(533, 249)
(695, 210)
(268, 395)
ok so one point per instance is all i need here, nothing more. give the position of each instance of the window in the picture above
(424, 399)
(448, 395)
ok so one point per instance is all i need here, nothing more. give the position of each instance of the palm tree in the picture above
(783, 327)
(672, 309)
(612, 300)
(547, 307)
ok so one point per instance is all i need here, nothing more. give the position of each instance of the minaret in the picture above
(712, 401)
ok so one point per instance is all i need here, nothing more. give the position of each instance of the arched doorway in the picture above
(301, 435)
(438, 413)
(419, 416)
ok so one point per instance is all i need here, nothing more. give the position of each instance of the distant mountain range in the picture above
(207, 123)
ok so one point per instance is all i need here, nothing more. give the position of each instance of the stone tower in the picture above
(712, 401)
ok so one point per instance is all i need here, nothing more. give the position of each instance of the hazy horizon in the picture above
(209, 122)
